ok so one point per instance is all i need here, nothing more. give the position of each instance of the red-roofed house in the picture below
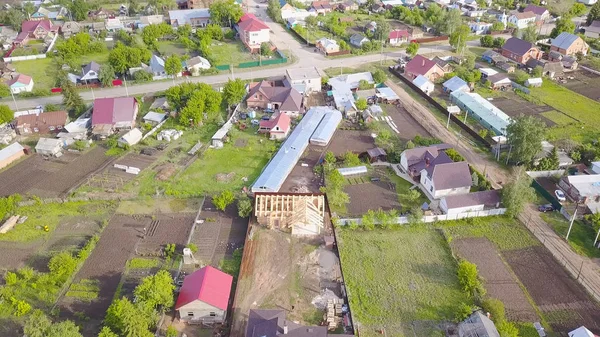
(204, 296)
(398, 37)
(111, 114)
(20, 83)
(278, 128)
(421, 65)
(253, 32)
(35, 29)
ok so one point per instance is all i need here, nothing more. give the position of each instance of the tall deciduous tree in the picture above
(594, 13)
(71, 98)
(128, 319)
(38, 325)
(458, 39)
(412, 49)
(225, 12)
(4, 90)
(361, 104)
(107, 332)
(156, 290)
(234, 91)
(530, 33)
(29, 9)
(525, 135)
(223, 200)
(106, 75)
(6, 114)
(173, 65)
(517, 192)
(453, 20)
(79, 9)
(274, 10)
(564, 24)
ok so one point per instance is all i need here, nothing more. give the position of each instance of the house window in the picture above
(190, 314)
(431, 189)
(213, 314)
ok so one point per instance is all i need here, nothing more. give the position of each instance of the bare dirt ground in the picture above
(407, 125)
(280, 271)
(53, 177)
(371, 195)
(112, 178)
(357, 141)
(584, 83)
(164, 229)
(303, 179)
(556, 293)
(499, 282)
(514, 106)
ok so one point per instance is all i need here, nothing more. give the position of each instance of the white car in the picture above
(560, 195)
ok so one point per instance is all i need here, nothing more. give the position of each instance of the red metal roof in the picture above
(208, 285)
(247, 16)
(419, 65)
(31, 26)
(394, 34)
(23, 79)
(282, 120)
(113, 110)
(252, 25)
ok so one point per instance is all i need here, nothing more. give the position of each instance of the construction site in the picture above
(291, 264)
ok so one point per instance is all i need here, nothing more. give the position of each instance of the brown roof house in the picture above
(520, 51)
(273, 323)
(44, 123)
(541, 13)
(421, 65)
(470, 202)
(412, 161)
(569, 44)
(265, 95)
(440, 180)
(593, 30)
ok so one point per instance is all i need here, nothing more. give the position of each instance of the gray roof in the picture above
(91, 66)
(455, 83)
(326, 128)
(184, 16)
(517, 46)
(482, 108)
(487, 198)
(154, 117)
(417, 154)
(376, 152)
(10, 151)
(270, 323)
(280, 166)
(499, 77)
(303, 73)
(450, 175)
(157, 64)
(564, 40)
(420, 81)
(357, 39)
(594, 27)
(477, 325)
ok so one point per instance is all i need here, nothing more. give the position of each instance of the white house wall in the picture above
(198, 311)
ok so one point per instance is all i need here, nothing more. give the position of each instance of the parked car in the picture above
(266, 117)
(560, 195)
(546, 208)
(255, 122)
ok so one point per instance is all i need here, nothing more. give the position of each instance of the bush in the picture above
(496, 309)
(244, 207)
(454, 155)
(10, 278)
(223, 200)
(464, 310)
(171, 332)
(79, 145)
(192, 247)
(507, 329)
(469, 279)
(142, 76)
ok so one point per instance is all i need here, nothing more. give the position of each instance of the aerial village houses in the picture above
(522, 20)
(265, 95)
(304, 80)
(569, 44)
(20, 83)
(194, 17)
(204, 296)
(328, 46)
(520, 51)
(44, 123)
(541, 13)
(278, 127)
(253, 32)
(443, 179)
(424, 84)
(110, 114)
(489, 116)
(35, 29)
(455, 84)
(593, 30)
(10, 154)
(320, 7)
(421, 65)
(413, 161)
(398, 37)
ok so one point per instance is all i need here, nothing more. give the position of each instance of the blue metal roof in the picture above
(326, 128)
(485, 110)
(564, 40)
(280, 166)
(455, 83)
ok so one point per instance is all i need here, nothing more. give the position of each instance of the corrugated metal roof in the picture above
(10, 151)
(564, 40)
(348, 171)
(326, 128)
(280, 166)
(455, 83)
(483, 109)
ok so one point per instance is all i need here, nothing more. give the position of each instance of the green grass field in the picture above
(581, 238)
(42, 72)
(232, 52)
(402, 188)
(168, 48)
(577, 106)
(397, 277)
(245, 161)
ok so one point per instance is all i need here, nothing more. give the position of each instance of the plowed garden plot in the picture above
(562, 300)
(409, 128)
(105, 265)
(499, 282)
(585, 83)
(357, 141)
(219, 235)
(53, 177)
(514, 106)
(112, 178)
(371, 195)
(164, 229)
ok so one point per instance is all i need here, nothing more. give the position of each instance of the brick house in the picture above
(569, 44)
(520, 51)
(421, 65)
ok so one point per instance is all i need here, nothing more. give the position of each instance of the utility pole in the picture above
(14, 100)
(572, 221)
(126, 90)
(508, 156)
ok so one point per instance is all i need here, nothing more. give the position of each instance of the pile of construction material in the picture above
(169, 134)
(128, 169)
(334, 313)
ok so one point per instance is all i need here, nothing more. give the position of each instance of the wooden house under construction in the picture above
(302, 214)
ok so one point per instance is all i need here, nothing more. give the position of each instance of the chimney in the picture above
(426, 162)
(423, 62)
(285, 328)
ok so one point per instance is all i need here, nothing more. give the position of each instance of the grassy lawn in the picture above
(41, 70)
(167, 48)
(232, 52)
(402, 188)
(478, 51)
(505, 233)
(397, 277)
(581, 238)
(51, 215)
(558, 117)
(85, 290)
(142, 263)
(238, 162)
(574, 105)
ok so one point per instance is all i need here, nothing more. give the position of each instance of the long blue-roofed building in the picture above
(316, 127)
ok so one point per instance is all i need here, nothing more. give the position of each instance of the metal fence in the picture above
(281, 59)
(541, 190)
